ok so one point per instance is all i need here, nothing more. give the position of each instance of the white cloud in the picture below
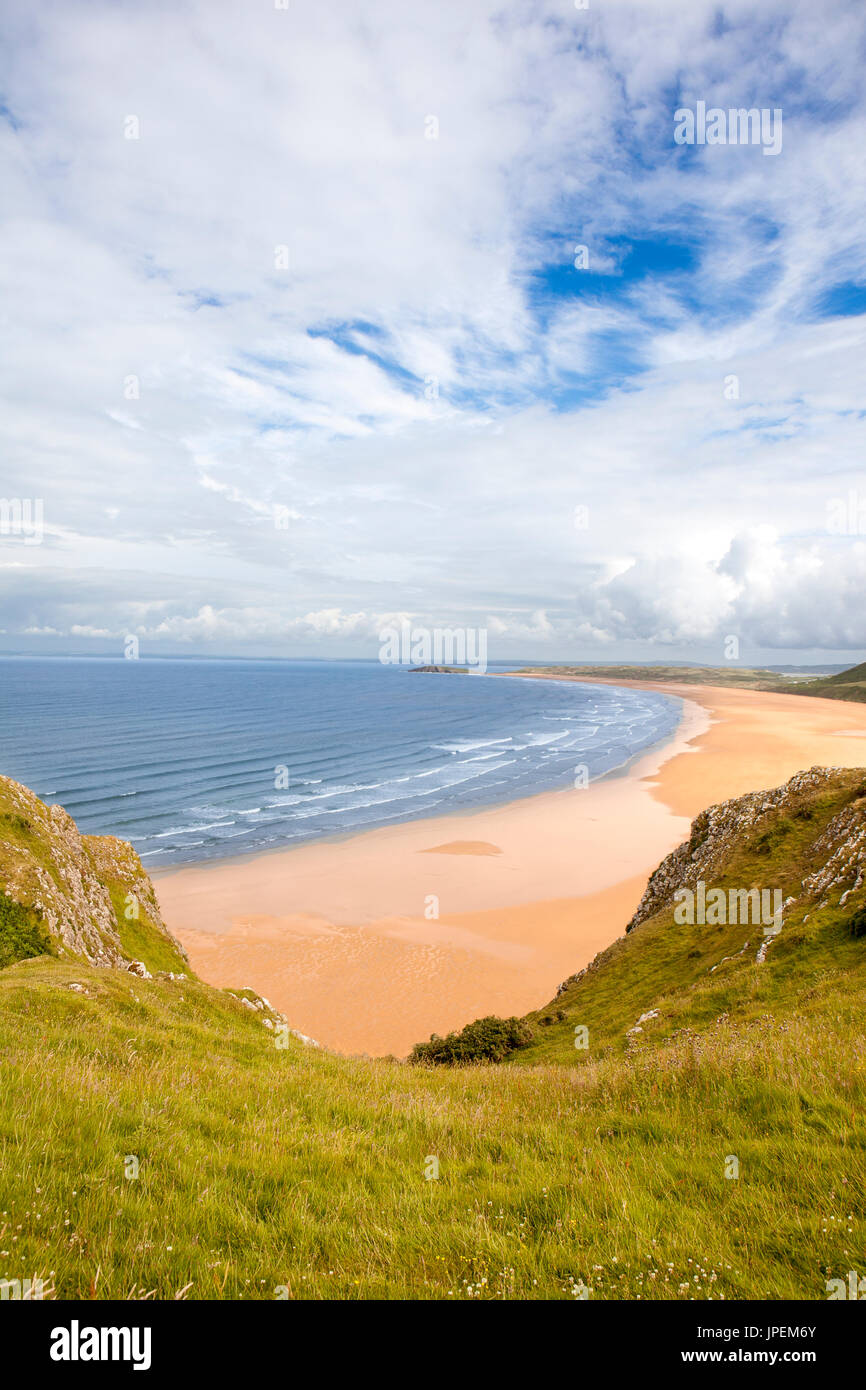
(414, 262)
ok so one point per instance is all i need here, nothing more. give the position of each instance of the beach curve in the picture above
(372, 942)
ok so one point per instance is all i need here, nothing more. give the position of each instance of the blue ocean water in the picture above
(196, 759)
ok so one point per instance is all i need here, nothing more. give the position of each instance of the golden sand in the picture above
(372, 942)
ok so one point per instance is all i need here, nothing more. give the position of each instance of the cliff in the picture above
(760, 817)
(65, 893)
(785, 870)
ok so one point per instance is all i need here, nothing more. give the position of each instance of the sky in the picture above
(318, 318)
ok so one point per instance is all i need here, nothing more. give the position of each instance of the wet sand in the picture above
(371, 942)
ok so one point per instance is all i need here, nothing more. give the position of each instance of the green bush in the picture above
(486, 1040)
(857, 923)
(21, 932)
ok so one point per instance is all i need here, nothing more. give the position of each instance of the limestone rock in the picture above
(46, 863)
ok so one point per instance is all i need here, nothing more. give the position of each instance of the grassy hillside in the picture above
(848, 685)
(263, 1168)
(81, 896)
(692, 976)
(737, 676)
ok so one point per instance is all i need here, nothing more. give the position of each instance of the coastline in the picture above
(667, 745)
(340, 935)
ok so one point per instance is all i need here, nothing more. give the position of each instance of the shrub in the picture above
(21, 932)
(857, 923)
(486, 1040)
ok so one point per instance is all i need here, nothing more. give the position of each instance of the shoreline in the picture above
(669, 741)
(342, 935)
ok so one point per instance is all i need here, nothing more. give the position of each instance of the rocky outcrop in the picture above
(580, 974)
(826, 806)
(82, 886)
(270, 1017)
(716, 832)
(843, 848)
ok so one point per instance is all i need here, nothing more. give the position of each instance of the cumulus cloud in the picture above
(281, 363)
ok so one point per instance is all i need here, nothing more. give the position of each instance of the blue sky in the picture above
(282, 298)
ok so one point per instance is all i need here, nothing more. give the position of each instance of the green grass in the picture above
(847, 685)
(22, 838)
(691, 974)
(262, 1168)
(141, 939)
(739, 676)
(31, 843)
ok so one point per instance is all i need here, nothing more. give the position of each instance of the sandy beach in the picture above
(372, 942)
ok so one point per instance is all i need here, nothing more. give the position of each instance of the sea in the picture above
(202, 759)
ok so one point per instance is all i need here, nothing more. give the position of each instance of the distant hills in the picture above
(849, 684)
